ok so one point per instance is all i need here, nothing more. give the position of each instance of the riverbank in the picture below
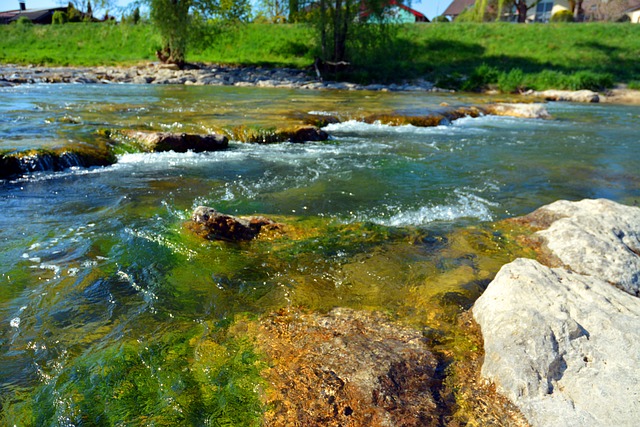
(225, 75)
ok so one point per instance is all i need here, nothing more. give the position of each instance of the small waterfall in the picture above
(69, 159)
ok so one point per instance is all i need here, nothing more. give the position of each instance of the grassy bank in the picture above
(470, 56)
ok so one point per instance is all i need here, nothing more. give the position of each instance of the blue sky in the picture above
(430, 8)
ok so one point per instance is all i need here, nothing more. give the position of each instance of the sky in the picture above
(430, 8)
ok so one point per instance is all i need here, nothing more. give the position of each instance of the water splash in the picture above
(466, 206)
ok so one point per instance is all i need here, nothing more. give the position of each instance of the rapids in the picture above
(106, 302)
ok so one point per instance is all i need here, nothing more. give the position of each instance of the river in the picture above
(100, 282)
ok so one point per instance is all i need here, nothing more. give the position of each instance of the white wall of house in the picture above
(635, 16)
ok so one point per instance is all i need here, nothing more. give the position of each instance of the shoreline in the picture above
(257, 76)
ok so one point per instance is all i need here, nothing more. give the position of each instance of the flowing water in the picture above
(106, 300)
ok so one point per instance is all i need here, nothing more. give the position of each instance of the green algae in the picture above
(179, 366)
(189, 375)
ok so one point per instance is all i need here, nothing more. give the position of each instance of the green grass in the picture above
(561, 55)
(81, 44)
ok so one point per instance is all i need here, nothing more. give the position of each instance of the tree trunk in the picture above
(521, 7)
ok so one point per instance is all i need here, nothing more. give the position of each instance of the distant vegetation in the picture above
(468, 56)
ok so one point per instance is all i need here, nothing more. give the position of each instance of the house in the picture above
(457, 7)
(592, 10)
(37, 16)
(633, 13)
(395, 12)
(403, 14)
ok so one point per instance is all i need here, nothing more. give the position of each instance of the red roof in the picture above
(419, 16)
(458, 6)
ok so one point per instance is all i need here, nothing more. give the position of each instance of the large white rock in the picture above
(563, 344)
(599, 238)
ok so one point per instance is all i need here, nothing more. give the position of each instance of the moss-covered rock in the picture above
(52, 160)
(296, 134)
(179, 142)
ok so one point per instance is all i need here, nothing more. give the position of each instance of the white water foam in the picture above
(466, 206)
(354, 126)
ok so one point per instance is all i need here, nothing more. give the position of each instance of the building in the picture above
(37, 16)
(593, 10)
(403, 14)
(634, 14)
(457, 7)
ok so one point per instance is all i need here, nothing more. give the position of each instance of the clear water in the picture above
(96, 265)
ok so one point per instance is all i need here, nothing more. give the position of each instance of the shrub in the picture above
(59, 17)
(562, 16)
(440, 18)
(590, 80)
(548, 79)
(73, 14)
(513, 81)
(480, 78)
(23, 21)
(635, 85)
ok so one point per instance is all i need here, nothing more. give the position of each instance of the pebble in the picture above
(215, 75)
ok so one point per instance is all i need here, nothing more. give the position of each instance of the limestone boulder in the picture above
(520, 110)
(568, 95)
(599, 238)
(563, 343)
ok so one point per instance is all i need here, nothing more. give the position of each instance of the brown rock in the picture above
(306, 133)
(213, 225)
(348, 368)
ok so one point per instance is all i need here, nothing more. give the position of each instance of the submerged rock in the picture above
(348, 368)
(178, 142)
(563, 343)
(213, 225)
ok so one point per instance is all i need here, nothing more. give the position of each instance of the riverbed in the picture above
(100, 282)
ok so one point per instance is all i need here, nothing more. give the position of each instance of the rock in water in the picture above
(213, 225)
(563, 344)
(178, 142)
(348, 368)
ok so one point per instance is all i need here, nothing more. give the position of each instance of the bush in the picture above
(513, 81)
(59, 18)
(590, 80)
(73, 14)
(562, 16)
(549, 79)
(480, 78)
(440, 18)
(24, 21)
(635, 85)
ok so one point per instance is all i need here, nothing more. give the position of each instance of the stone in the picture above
(348, 368)
(564, 347)
(527, 111)
(213, 225)
(179, 142)
(568, 95)
(305, 134)
(563, 343)
(622, 96)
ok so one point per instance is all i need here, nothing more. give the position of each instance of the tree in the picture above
(136, 16)
(274, 10)
(182, 21)
(522, 8)
(85, 6)
(492, 10)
